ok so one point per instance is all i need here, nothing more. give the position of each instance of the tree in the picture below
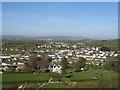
(80, 64)
(86, 67)
(44, 62)
(36, 64)
(64, 65)
(32, 64)
(94, 66)
(112, 63)
(104, 48)
(77, 66)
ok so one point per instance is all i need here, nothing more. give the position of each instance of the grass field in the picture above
(11, 52)
(35, 85)
(41, 48)
(21, 47)
(109, 76)
(23, 77)
(82, 76)
(90, 75)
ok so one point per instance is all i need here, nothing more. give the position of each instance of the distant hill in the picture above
(17, 37)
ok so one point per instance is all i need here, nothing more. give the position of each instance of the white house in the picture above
(5, 57)
(5, 64)
(55, 68)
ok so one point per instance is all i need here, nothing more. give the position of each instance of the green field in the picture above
(21, 47)
(41, 48)
(12, 80)
(11, 52)
(24, 77)
(90, 75)
(35, 85)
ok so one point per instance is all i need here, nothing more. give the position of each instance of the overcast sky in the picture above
(84, 19)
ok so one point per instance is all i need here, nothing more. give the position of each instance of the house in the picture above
(56, 60)
(17, 55)
(52, 56)
(84, 55)
(115, 55)
(18, 63)
(55, 68)
(3, 68)
(89, 58)
(38, 46)
(5, 64)
(82, 69)
(5, 57)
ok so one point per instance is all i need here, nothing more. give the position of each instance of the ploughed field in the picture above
(82, 79)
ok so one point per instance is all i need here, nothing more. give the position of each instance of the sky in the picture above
(81, 19)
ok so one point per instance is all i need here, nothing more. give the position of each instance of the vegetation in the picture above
(83, 79)
(64, 65)
(80, 64)
(111, 82)
(55, 75)
(36, 68)
(36, 64)
(104, 48)
(11, 52)
(16, 77)
(112, 63)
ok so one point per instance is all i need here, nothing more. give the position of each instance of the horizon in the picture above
(51, 37)
(94, 20)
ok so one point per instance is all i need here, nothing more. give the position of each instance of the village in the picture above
(55, 52)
